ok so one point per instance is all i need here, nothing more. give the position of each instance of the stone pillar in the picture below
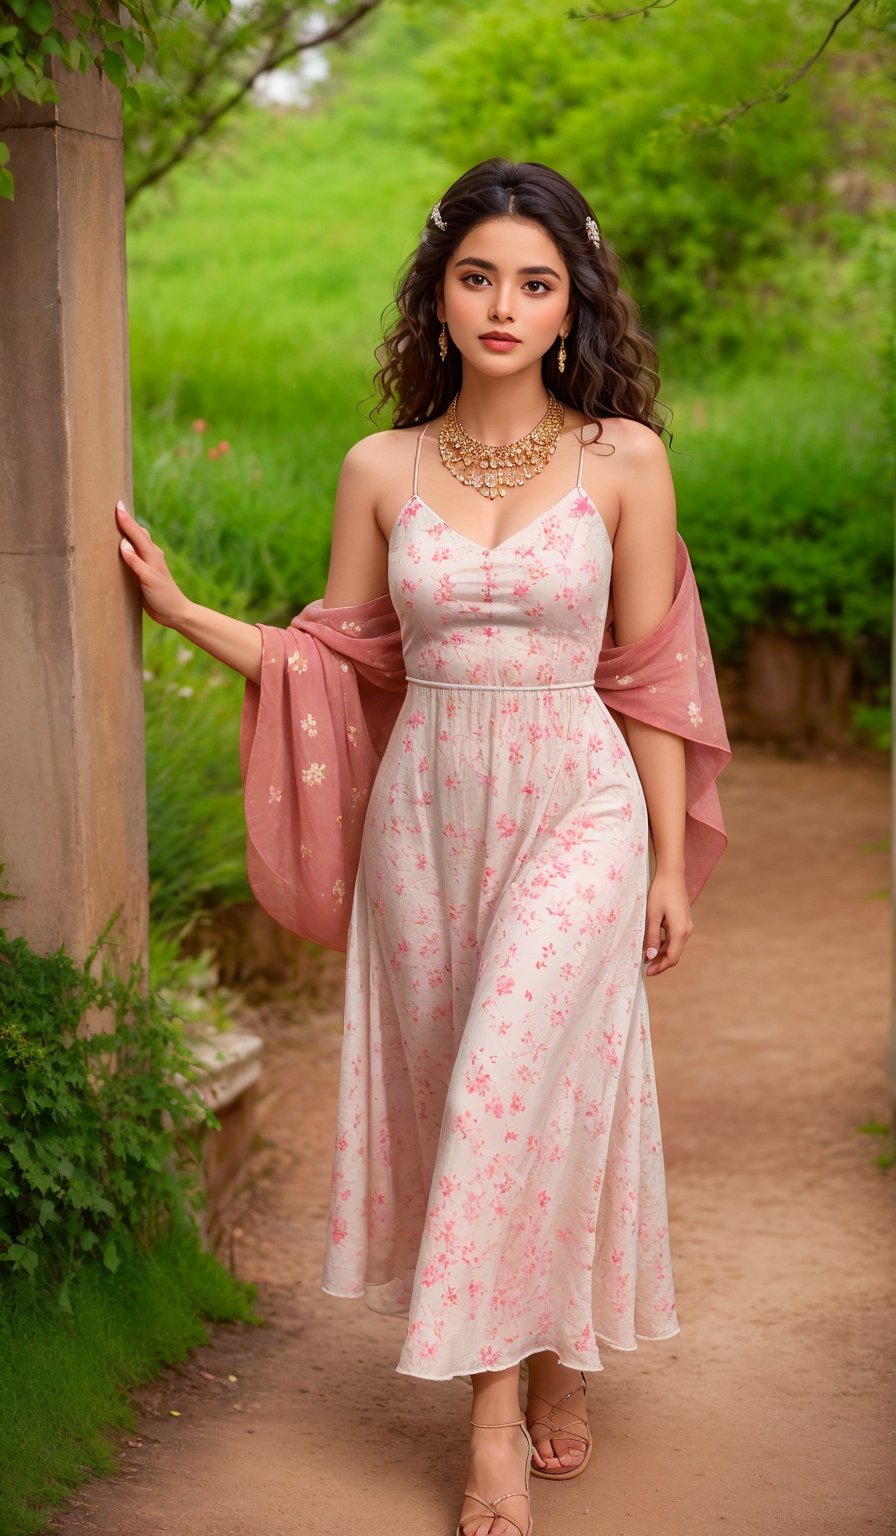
(72, 784)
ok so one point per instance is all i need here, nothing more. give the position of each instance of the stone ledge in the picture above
(232, 1060)
(230, 1064)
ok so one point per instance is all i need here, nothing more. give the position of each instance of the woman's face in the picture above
(506, 275)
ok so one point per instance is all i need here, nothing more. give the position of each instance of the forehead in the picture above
(510, 244)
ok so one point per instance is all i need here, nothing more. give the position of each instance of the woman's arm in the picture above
(235, 643)
(358, 565)
(644, 554)
(358, 551)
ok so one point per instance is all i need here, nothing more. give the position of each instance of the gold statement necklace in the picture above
(492, 468)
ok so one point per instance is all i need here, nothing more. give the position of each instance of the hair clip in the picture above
(436, 216)
(592, 231)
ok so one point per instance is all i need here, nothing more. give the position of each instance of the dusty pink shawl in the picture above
(315, 728)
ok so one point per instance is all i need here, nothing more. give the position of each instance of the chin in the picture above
(498, 364)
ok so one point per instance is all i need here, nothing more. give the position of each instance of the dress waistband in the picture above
(429, 682)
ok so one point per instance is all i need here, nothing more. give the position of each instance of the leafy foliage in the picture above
(30, 35)
(725, 234)
(195, 59)
(95, 1089)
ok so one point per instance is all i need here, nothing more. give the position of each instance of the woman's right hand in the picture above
(162, 598)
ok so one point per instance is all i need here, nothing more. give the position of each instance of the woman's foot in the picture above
(497, 1466)
(499, 1459)
(559, 1435)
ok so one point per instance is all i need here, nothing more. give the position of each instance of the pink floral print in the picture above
(498, 1173)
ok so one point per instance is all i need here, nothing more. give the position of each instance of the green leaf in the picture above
(22, 1257)
(19, 7)
(7, 34)
(134, 47)
(4, 156)
(24, 78)
(81, 53)
(110, 1255)
(114, 66)
(53, 43)
(40, 16)
(45, 90)
(131, 96)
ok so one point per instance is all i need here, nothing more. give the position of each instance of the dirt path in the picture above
(772, 1410)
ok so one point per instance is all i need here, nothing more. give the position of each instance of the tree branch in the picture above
(783, 90)
(641, 10)
(780, 93)
(273, 58)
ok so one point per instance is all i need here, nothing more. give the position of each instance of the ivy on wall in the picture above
(30, 34)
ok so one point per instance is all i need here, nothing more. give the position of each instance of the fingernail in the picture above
(120, 506)
(652, 953)
(126, 544)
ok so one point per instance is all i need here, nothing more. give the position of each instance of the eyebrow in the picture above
(490, 266)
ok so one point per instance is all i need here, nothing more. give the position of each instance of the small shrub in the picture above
(89, 1148)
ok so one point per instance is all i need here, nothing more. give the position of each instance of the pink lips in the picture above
(499, 343)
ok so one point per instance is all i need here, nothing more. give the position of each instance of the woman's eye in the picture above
(534, 282)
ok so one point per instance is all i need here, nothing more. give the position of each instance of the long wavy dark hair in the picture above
(611, 362)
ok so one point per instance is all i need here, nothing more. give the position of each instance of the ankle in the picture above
(547, 1366)
(496, 1397)
(506, 1414)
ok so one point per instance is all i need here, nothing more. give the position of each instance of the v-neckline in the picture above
(485, 549)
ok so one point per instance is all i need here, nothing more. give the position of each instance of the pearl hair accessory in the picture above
(591, 226)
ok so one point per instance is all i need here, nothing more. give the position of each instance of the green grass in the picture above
(64, 1379)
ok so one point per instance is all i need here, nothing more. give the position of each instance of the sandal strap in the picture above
(491, 1505)
(562, 1431)
(492, 1510)
(547, 1420)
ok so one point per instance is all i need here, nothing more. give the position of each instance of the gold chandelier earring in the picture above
(443, 342)
(561, 355)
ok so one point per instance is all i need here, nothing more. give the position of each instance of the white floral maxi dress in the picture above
(498, 1174)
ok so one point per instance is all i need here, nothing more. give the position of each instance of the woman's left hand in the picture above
(669, 922)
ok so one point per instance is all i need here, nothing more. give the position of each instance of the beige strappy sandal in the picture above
(553, 1427)
(491, 1505)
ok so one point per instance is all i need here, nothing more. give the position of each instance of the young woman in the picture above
(435, 783)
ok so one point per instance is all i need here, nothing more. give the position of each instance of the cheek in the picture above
(467, 302)
(548, 316)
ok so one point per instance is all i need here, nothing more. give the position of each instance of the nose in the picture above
(502, 308)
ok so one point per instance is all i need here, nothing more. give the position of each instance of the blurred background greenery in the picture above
(763, 258)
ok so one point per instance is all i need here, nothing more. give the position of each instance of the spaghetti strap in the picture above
(579, 483)
(420, 437)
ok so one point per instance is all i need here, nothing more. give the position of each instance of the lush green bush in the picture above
(91, 1154)
(717, 231)
(786, 506)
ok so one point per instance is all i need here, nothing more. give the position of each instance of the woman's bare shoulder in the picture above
(627, 437)
(385, 452)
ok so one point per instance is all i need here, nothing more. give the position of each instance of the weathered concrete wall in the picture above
(72, 786)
